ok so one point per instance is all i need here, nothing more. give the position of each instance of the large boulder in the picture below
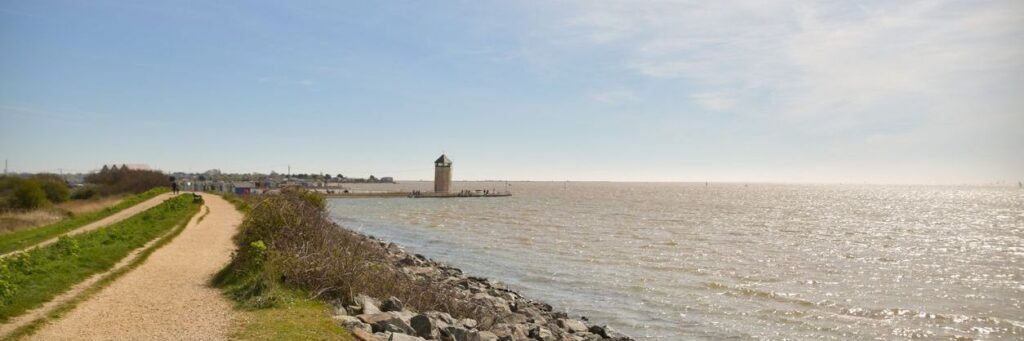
(454, 333)
(391, 304)
(468, 323)
(352, 323)
(487, 336)
(541, 333)
(442, 317)
(425, 327)
(572, 326)
(389, 336)
(506, 331)
(606, 332)
(387, 322)
(368, 304)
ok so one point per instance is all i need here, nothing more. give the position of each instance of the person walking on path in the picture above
(174, 186)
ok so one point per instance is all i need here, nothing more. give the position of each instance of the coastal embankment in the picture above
(375, 288)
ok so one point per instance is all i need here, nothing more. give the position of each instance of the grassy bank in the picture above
(269, 310)
(20, 239)
(287, 246)
(35, 277)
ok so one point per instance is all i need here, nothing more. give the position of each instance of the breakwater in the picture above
(509, 315)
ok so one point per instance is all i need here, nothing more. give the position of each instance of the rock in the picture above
(572, 326)
(468, 323)
(387, 322)
(506, 331)
(402, 337)
(425, 327)
(459, 334)
(606, 332)
(339, 309)
(363, 335)
(541, 333)
(352, 323)
(391, 304)
(487, 336)
(374, 318)
(534, 314)
(368, 304)
(439, 316)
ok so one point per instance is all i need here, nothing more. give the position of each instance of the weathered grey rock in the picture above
(401, 337)
(459, 334)
(374, 318)
(468, 323)
(391, 304)
(487, 336)
(368, 304)
(606, 332)
(534, 314)
(339, 309)
(352, 323)
(572, 326)
(541, 333)
(387, 322)
(439, 316)
(425, 327)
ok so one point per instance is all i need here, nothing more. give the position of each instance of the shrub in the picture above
(84, 192)
(287, 240)
(55, 187)
(28, 195)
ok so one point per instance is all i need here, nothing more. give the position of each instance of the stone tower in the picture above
(443, 174)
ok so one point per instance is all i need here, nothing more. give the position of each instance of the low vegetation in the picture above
(295, 317)
(37, 191)
(287, 244)
(36, 276)
(13, 241)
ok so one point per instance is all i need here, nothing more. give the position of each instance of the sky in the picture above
(768, 91)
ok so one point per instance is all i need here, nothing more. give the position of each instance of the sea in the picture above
(691, 261)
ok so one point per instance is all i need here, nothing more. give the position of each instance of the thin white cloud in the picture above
(714, 101)
(618, 96)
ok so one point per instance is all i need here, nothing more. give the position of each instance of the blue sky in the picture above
(789, 91)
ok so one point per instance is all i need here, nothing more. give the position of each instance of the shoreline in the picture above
(515, 317)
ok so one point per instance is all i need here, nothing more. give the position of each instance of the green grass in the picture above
(32, 278)
(293, 318)
(21, 239)
(104, 282)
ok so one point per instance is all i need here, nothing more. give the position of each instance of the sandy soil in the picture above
(113, 218)
(166, 298)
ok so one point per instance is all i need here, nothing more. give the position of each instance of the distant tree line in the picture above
(42, 190)
(116, 180)
(36, 191)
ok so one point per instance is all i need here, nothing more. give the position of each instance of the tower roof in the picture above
(443, 161)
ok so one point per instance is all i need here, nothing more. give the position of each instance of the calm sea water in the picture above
(686, 261)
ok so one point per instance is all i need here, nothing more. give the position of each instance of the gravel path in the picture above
(166, 298)
(110, 220)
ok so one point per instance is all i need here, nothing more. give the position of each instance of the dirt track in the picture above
(168, 296)
(112, 219)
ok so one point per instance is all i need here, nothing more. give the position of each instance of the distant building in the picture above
(443, 174)
(387, 179)
(242, 188)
